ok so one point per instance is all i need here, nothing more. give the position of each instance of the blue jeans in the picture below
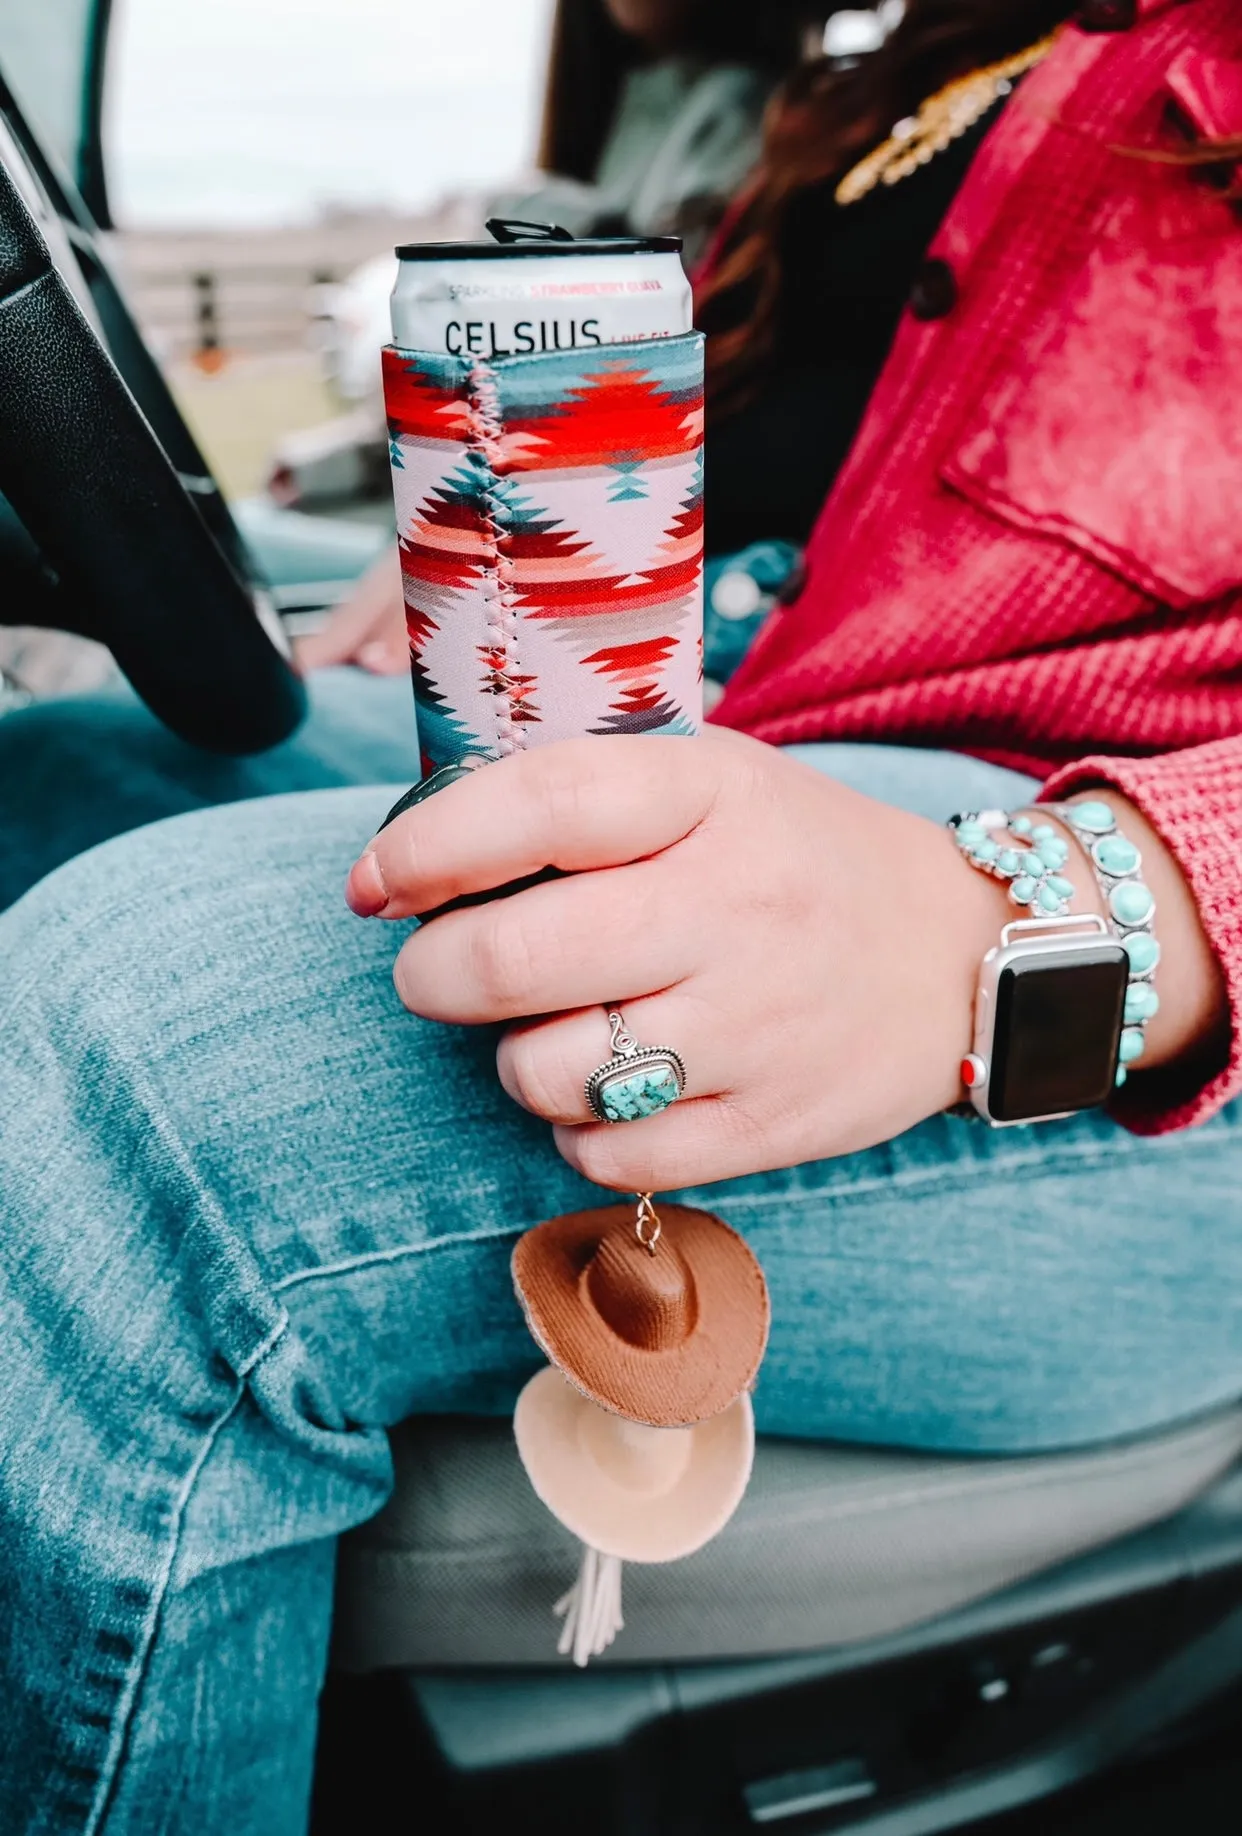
(79, 771)
(254, 1214)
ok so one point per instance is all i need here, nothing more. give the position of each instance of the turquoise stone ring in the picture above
(637, 1081)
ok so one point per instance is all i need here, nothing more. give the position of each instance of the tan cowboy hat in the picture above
(667, 1332)
(641, 1494)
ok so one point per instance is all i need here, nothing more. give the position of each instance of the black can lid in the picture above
(513, 237)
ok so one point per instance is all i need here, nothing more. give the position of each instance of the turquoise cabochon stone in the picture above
(642, 1093)
(1131, 902)
(1142, 1002)
(1115, 854)
(1143, 950)
(1131, 1044)
(1096, 818)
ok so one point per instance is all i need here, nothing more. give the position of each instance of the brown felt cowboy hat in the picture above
(668, 1334)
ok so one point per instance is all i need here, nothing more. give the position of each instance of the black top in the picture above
(849, 272)
(542, 246)
(518, 236)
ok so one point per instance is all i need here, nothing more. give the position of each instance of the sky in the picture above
(259, 111)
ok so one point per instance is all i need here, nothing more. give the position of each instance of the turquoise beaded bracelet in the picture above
(1033, 858)
(1131, 909)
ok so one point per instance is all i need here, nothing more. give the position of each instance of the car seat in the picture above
(882, 1640)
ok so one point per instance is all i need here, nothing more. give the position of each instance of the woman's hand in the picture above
(366, 629)
(811, 954)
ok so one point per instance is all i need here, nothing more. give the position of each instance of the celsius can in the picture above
(536, 288)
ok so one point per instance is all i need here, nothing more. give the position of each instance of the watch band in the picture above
(1131, 907)
(1054, 994)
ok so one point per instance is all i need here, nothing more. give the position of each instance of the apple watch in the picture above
(1064, 1000)
(1049, 1013)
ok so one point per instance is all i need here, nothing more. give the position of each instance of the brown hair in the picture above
(823, 119)
(590, 58)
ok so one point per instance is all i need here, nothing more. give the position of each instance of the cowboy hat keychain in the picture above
(639, 1435)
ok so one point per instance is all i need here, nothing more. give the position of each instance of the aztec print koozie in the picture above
(550, 521)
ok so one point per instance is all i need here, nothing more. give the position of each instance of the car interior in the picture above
(880, 1641)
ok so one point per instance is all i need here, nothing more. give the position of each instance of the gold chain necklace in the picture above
(940, 119)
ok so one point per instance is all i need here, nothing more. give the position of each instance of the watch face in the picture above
(1058, 1028)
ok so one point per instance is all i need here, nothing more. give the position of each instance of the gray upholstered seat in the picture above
(831, 1544)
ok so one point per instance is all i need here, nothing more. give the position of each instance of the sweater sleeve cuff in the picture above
(1193, 799)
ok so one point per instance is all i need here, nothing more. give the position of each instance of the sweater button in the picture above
(934, 294)
(1108, 15)
(790, 589)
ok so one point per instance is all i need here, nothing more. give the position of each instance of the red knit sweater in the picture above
(1034, 551)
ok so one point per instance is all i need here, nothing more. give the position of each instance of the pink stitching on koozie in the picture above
(501, 617)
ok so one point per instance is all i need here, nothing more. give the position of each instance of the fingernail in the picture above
(365, 892)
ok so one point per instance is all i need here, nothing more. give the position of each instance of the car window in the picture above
(264, 158)
(47, 55)
(243, 112)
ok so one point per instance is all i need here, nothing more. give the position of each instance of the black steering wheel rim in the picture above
(134, 562)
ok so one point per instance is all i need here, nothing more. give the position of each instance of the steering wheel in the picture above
(127, 554)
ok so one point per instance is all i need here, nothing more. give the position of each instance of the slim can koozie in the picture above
(549, 499)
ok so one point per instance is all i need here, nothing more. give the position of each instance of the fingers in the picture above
(386, 656)
(577, 942)
(544, 1064)
(711, 1132)
(704, 1135)
(691, 1143)
(332, 644)
(576, 805)
(367, 628)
